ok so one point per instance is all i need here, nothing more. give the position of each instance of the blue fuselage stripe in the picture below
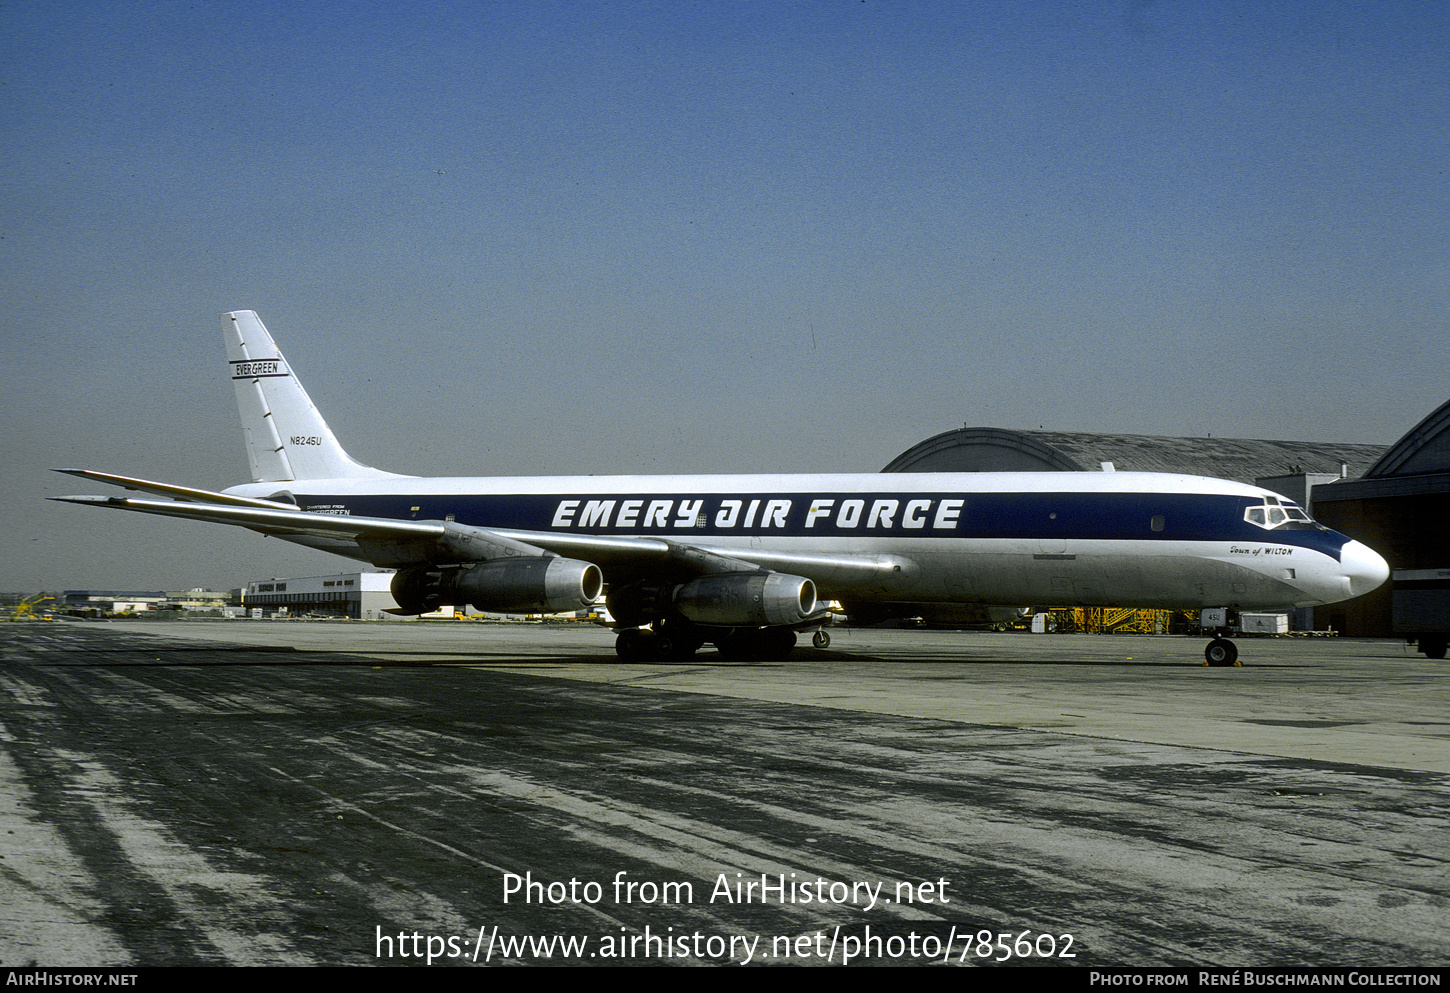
(1065, 516)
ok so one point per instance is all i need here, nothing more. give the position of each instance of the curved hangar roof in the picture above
(1243, 459)
(1416, 465)
(1426, 449)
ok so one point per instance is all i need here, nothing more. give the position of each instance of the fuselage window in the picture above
(1157, 522)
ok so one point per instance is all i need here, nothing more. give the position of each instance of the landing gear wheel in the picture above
(1221, 652)
(734, 646)
(633, 644)
(777, 643)
(1434, 648)
(821, 640)
(676, 640)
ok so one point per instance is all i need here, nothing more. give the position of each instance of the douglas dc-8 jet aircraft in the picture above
(745, 561)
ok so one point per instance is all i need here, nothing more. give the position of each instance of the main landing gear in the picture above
(666, 642)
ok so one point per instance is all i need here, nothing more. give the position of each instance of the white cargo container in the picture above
(1264, 623)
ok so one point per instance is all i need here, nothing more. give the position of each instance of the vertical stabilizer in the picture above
(286, 436)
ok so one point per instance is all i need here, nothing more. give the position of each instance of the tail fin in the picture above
(286, 436)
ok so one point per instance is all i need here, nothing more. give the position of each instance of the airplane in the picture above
(746, 562)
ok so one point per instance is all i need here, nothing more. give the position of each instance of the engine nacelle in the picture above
(527, 584)
(530, 585)
(421, 590)
(747, 599)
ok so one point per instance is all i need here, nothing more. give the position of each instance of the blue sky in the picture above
(524, 238)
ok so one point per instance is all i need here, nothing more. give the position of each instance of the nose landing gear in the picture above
(1219, 621)
(1221, 652)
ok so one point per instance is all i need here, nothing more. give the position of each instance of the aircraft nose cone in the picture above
(1363, 567)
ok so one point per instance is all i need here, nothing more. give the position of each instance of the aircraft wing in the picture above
(396, 544)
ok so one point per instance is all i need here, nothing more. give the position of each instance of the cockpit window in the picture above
(1275, 513)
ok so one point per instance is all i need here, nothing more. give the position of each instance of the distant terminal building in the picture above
(95, 602)
(360, 596)
(200, 599)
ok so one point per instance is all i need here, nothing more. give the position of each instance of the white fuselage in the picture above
(1061, 539)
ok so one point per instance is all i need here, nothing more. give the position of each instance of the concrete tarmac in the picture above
(270, 793)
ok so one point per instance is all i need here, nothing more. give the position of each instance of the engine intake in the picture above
(746, 599)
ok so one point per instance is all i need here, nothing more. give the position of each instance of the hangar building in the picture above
(1246, 460)
(1399, 507)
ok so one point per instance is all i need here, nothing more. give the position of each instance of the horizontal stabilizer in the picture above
(269, 521)
(176, 492)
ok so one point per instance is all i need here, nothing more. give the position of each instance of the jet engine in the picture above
(535, 584)
(542, 584)
(421, 589)
(747, 599)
